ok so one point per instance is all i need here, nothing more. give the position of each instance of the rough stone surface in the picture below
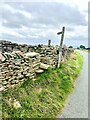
(44, 66)
(20, 62)
(39, 71)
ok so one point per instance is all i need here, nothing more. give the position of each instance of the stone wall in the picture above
(17, 66)
(48, 55)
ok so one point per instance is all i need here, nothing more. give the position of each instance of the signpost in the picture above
(61, 43)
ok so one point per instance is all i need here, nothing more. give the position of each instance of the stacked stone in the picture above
(15, 70)
(7, 46)
(17, 66)
(34, 58)
(64, 53)
(23, 48)
(69, 52)
(48, 55)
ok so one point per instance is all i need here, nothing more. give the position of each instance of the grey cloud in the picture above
(22, 40)
(13, 38)
(45, 16)
(59, 13)
(69, 29)
(79, 38)
(43, 13)
(56, 12)
(77, 41)
(30, 40)
(74, 43)
(14, 20)
(44, 40)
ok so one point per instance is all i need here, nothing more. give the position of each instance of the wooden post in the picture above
(49, 43)
(60, 47)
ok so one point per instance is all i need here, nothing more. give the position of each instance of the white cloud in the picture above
(38, 22)
(81, 4)
(26, 14)
(7, 7)
(31, 36)
(10, 32)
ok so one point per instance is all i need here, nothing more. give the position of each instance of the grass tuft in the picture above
(45, 97)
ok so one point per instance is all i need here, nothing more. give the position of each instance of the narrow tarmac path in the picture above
(77, 103)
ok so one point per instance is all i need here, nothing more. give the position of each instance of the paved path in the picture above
(77, 103)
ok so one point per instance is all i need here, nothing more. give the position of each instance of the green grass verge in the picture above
(88, 51)
(45, 97)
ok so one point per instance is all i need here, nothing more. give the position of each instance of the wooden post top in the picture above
(49, 43)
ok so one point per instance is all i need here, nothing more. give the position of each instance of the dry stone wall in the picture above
(17, 66)
(48, 55)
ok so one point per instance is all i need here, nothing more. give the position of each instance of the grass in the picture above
(45, 97)
(88, 51)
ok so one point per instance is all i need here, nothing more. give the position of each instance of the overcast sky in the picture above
(37, 22)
